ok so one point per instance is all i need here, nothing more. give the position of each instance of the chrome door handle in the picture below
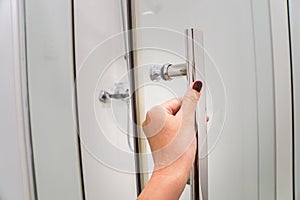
(194, 70)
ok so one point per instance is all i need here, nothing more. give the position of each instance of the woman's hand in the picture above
(170, 130)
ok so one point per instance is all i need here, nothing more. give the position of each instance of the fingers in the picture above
(155, 121)
(156, 117)
(172, 106)
(189, 102)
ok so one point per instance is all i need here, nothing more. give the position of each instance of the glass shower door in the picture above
(239, 80)
(239, 84)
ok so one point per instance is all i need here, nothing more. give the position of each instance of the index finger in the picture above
(172, 106)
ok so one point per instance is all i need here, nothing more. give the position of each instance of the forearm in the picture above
(164, 186)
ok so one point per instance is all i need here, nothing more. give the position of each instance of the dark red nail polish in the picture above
(197, 86)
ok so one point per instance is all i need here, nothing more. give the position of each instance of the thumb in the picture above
(189, 102)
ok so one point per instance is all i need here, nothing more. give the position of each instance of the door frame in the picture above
(283, 98)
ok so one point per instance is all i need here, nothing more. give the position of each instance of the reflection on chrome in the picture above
(167, 71)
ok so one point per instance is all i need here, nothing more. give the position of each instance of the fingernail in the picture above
(197, 86)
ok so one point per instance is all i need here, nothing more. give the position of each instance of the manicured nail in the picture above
(197, 86)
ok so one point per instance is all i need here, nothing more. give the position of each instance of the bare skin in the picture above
(175, 131)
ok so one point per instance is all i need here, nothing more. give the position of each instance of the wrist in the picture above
(175, 176)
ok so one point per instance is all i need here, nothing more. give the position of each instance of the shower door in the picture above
(239, 83)
(239, 80)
